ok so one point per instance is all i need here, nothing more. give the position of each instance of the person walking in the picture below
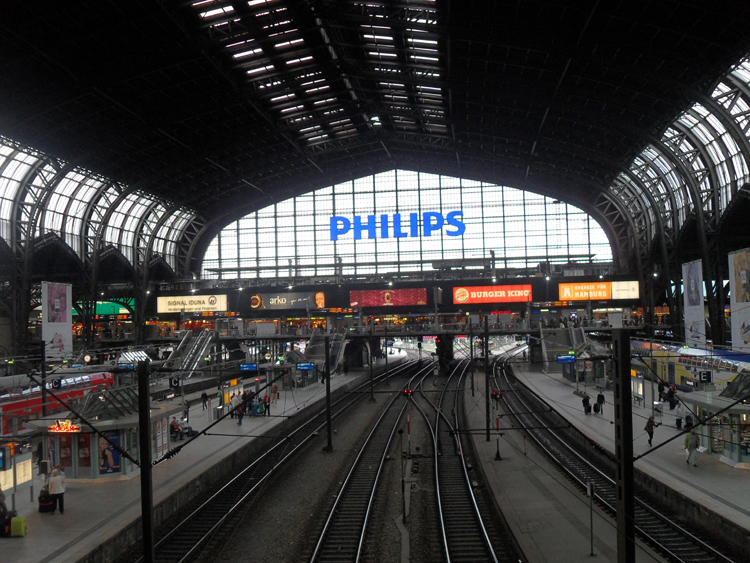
(586, 403)
(661, 390)
(649, 428)
(204, 400)
(692, 443)
(274, 392)
(267, 404)
(240, 413)
(57, 491)
(600, 401)
(232, 405)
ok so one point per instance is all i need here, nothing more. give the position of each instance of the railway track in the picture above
(540, 422)
(343, 534)
(208, 523)
(470, 530)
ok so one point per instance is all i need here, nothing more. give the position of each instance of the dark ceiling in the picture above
(226, 107)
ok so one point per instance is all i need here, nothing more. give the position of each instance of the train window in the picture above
(78, 381)
(86, 380)
(736, 366)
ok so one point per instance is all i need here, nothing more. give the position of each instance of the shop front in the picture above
(83, 454)
(726, 434)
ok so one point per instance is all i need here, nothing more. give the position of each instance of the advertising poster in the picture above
(739, 298)
(57, 320)
(159, 441)
(109, 458)
(601, 291)
(492, 294)
(292, 300)
(584, 291)
(164, 436)
(695, 316)
(191, 303)
(84, 450)
(387, 297)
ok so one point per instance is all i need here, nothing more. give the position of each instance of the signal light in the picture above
(497, 395)
(407, 393)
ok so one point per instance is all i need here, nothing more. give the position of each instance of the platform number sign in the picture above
(174, 382)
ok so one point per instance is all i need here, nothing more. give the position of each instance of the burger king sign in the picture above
(492, 294)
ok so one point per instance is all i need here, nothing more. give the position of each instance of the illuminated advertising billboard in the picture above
(191, 303)
(583, 291)
(492, 294)
(387, 297)
(292, 300)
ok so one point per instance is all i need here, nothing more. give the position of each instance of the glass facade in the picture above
(294, 237)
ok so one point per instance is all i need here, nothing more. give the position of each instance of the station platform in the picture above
(550, 517)
(97, 510)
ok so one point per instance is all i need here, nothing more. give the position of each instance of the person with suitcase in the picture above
(586, 403)
(57, 491)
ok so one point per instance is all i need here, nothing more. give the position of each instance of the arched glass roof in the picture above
(40, 195)
(711, 149)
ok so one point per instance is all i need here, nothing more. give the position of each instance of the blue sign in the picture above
(130, 367)
(305, 366)
(248, 367)
(428, 223)
(77, 366)
(566, 359)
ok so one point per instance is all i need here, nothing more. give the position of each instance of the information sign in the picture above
(307, 367)
(248, 367)
(564, 359)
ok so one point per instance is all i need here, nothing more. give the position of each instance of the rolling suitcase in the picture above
(18, 527)
(596, 408)
(45, 500)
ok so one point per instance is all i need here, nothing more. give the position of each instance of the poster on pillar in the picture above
(57, 320)
(739, 298)
(692, 294)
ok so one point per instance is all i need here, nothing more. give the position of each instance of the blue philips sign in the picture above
(415, 226)
(566, 359)
(248, 367)
(305, 366)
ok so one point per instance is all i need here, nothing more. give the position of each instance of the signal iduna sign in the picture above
(492, 294)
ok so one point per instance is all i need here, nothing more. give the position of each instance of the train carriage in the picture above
(21, 397)
(685, 366)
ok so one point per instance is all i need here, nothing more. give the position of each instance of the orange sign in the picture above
(64, 426)
(591, 290)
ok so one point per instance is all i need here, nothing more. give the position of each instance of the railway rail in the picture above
(205, 525)
(652, 525)
(343, 534)
(470, 529)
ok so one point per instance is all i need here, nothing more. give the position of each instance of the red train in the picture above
(21, 398)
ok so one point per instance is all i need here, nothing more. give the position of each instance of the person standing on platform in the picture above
(661, 390)
(586, 403)
(649, 428)
(274, 392)
(240, 413)
(679, 414)
(267, 404)
(671, 398)
(204, 400)
(600, 401)
(692, 443)
(57, 491)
